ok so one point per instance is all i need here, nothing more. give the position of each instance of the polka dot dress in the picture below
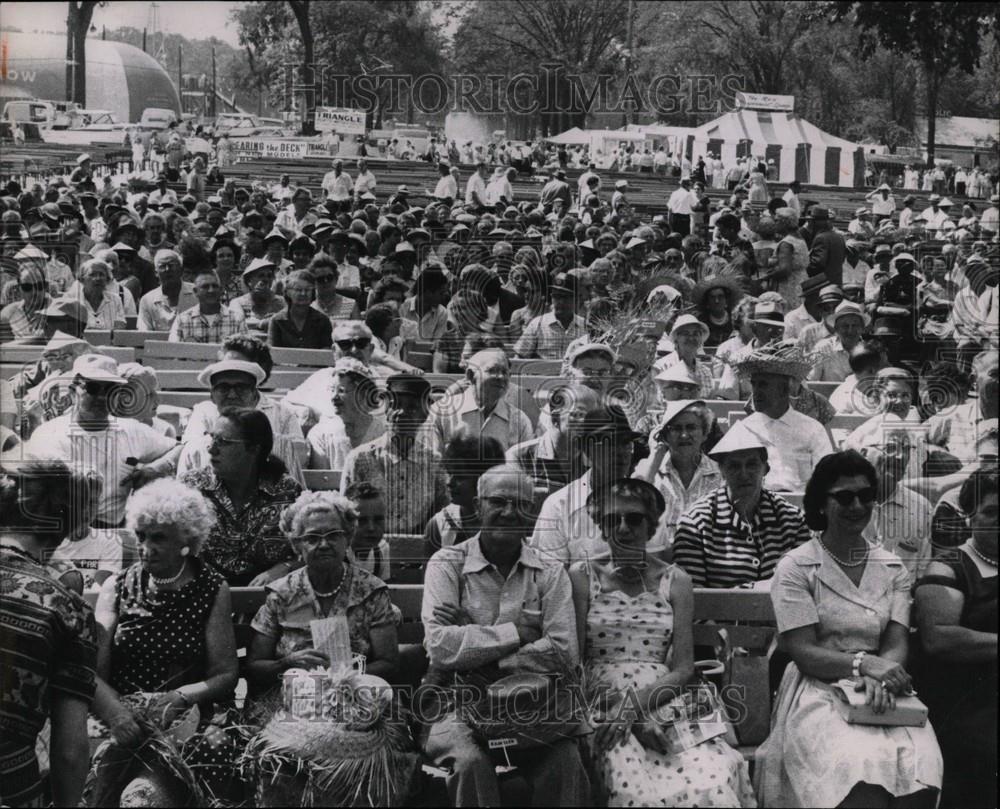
(627, 641)
(159, 643)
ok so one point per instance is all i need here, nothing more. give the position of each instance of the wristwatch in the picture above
(856, 664)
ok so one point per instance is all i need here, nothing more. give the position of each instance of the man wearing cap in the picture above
(159, 308)
(795, 442)
(257, 306)
(547, 336)
(933, 216)
(499, 191)
(402, 463)
(565, 531)
(902, 289)
(143, 399)
(830, 297)
(208, 321)
(123, 452)
(767, 324)
(827, 248)
(878, 275)
(861, 225)
(809, 312)
(736, 535)
(831, 362)
(83, 175)
(481, 407)
(162, 193)
(883, 202)
(26, 317)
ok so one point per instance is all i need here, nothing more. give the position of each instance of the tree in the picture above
(942, 37)
(78, 22)
(300, 8)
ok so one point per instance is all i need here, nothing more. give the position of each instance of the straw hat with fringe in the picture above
(785, 359)
(355, 754)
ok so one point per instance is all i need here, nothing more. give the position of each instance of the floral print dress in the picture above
(627, 641)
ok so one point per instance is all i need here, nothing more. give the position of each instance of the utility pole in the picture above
(630, 112)
(180, 75)
(144, 40)
(214, 112)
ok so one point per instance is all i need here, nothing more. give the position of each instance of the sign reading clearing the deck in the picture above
(341, 120)
(251, 148)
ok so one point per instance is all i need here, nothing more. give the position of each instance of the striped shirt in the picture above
(718, 548)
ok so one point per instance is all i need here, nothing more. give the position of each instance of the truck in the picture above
(46, 114)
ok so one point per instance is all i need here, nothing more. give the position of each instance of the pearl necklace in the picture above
(160, 582)
(981, 555)
(333, 592)
(841, 561)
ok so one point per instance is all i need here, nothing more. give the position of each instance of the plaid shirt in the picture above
(192, 326)
(546, 338)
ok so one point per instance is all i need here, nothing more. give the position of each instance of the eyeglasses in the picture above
(324, 279)
(223, 440)
(499, 503)
(317, 539)
(845, 497)
(359, 344)
(236, 387)
(680, 429)
(59, 356)
(633, 519)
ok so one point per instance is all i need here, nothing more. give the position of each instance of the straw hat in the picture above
(785, 359)
(726, 282)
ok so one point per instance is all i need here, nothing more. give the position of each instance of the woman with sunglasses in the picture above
(842, 608)
(319, 527)
(634, 621)
(247, 487)
(326, 273)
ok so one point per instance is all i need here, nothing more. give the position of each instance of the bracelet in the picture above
(856, 664)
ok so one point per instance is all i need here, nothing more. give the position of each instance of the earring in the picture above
(185, 550)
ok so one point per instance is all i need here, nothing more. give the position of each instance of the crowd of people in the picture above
(743, 391)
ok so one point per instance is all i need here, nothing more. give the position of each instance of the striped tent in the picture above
(800, 150)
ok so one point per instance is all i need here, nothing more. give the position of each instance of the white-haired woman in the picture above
(104, 310)
(354, 396)
(168, 645)
(320, 527)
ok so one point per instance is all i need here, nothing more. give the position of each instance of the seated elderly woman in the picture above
(894, 389)
(300, 325)
(634, 621)
(688, 335)
(319, 526)
(678, 467)
(247, 487)
(735, 535)
(842, 608)
(956, 604)
(354, 397)
(167, 648)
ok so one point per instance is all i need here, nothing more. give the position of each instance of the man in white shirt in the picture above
(364, 183)
(990, 220)
(475, 188)
(446, 190)
(660, 161)
(499, 189)
(338, 186)
(162, 194)
(481, 407)
(123, 452)
(934, 216)
(159, 307)
(795, 442)
(883, 202)
(582, 189)
(680, 205)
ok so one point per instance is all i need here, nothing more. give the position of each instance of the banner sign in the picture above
(342, 120)
(253, 148)
(764, 101)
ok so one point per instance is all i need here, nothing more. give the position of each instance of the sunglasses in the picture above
(324, 279)
(222, 440)
(633, 519)
(358, 344)
(845, 497)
